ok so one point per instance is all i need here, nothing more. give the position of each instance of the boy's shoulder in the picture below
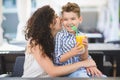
(61, 32)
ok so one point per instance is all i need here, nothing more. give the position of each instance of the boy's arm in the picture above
(73, 52)
(60, 57)
(66, 56)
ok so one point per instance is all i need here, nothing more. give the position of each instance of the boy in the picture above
(67, 51)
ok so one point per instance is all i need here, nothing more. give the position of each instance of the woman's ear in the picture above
(80, 19)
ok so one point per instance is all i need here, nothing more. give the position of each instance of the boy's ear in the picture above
(80, 19)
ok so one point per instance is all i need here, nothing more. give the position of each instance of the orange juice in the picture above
(79, 39)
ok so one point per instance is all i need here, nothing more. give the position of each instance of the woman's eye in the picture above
(65, 19)
(55, 21)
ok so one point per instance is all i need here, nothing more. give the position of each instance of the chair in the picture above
(114, 59)
(18, 67)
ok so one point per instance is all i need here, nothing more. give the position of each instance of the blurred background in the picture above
(99, 16)
(101, 23)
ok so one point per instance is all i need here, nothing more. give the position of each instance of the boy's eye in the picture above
(72, 18)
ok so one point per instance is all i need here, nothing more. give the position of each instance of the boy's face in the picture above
(70, 18)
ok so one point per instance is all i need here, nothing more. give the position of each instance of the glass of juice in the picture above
(80, 38)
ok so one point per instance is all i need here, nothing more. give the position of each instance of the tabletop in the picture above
(103, 46)
(18, 78)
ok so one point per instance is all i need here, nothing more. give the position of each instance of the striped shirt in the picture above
(64, 42)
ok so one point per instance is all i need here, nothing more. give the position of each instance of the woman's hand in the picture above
(88, 63)
(94, 71)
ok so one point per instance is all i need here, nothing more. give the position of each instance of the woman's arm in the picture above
(53, 70)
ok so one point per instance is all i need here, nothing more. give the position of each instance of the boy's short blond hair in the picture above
(71, 7)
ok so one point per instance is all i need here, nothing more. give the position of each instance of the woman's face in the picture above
(56, 26)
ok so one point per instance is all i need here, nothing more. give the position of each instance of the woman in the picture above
(40, 31)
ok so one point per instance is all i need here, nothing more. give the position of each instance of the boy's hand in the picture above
(77, 49)
(85, 42)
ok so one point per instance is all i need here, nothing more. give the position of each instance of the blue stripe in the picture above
(64, 41)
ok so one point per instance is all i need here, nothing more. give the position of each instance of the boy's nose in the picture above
(70, 23)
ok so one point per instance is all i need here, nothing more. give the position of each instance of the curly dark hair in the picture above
(38, 30)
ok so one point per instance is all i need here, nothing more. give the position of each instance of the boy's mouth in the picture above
(71, 25)
(74, 28)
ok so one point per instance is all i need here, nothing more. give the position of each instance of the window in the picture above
(9, 3)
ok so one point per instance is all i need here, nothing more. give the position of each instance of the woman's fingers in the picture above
(88, 71)
(94, 71)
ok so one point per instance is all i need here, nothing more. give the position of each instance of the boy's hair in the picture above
(71, 7)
